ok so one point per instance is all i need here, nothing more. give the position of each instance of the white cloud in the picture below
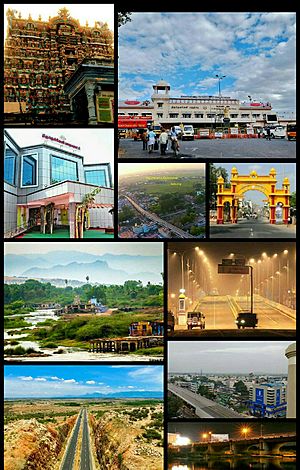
(40, 379)
(69, 381)
(90, 382)
(28, 378)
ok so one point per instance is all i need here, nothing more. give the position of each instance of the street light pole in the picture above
(219, 78)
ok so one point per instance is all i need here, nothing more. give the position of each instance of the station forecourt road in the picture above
(215, 148)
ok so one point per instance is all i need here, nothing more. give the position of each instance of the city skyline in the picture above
(152, 46)
(141, 168)
(228, 357)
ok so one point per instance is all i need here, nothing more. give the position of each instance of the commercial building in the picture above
(200, 111)
(268, 400)
(45, 188)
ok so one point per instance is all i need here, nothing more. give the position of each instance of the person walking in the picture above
(151, 140)
(145, 139)
(163, 140)
(268, 136)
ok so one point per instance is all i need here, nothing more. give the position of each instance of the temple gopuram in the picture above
(41, 57)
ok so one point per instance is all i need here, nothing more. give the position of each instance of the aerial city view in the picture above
(83, 417)
(199, 95)
(231, 379)
(83, 302)
(149, 244)
(159, 200)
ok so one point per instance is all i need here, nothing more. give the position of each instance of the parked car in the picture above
(277, 132)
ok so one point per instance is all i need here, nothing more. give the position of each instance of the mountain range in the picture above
(103, 269)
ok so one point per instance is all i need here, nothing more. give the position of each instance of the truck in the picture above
(291, 131)
(195, 319)
(277, 132)
(187, 132)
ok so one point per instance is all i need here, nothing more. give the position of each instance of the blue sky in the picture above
(59, 381)
(256, 52)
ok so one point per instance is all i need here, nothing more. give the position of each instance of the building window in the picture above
(97, 177)
(210, 115)
(133, 114)
(234, 116)
(159, 115)
(245, 115)
(62, 170)
(9, 165)
(159, 105)
(29, 170)
(186, 115)
(198, 115)
(256, 115)
(173, 115)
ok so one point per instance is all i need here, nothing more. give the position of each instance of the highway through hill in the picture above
(68, 462)
(154, 218)
(221, 311)
(204, 408)
(85, 455)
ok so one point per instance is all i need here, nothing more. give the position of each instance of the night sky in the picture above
(193, 430)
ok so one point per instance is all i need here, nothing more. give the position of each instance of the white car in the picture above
(277, 132)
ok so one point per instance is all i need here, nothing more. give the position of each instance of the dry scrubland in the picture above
(124, 434)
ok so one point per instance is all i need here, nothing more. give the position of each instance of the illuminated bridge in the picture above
(265, 445)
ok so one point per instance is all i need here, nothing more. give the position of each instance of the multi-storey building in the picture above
(268, 400)
(200, 111)
(44, 187)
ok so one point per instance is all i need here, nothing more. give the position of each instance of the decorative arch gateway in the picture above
(239, 184)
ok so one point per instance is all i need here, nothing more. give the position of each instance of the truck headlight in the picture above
(242, 321)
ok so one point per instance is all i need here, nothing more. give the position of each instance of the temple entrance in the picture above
(241, 184)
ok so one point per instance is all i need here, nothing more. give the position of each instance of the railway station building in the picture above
(199, 111)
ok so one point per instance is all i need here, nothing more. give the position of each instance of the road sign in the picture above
(233, 269)
(233, 261)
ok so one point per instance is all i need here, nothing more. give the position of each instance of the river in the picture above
(236, 463)
(69, 353)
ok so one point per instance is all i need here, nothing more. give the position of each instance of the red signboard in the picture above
(132, 103)
(132, 122)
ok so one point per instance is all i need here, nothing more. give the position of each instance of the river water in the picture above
(70, 354)
(233, 463)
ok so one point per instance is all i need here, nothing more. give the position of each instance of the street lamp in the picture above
(219, 78)
(245, 431)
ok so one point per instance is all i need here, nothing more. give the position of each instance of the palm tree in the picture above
(82, 209)
(87, 279)
(66, 282)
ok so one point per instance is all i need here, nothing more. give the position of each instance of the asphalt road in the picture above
(85, 459)
(219, 316)
(205, 408)
(252, 228)
(216, 148)
(68, 461)
(154, 218)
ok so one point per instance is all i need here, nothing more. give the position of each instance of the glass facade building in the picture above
(97, 177)
(29, 170)
(62, 170)
(10, 166)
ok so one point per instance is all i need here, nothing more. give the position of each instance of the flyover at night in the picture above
(204, 408)
(270, 444)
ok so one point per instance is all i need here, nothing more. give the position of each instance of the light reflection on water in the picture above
(238, 464)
